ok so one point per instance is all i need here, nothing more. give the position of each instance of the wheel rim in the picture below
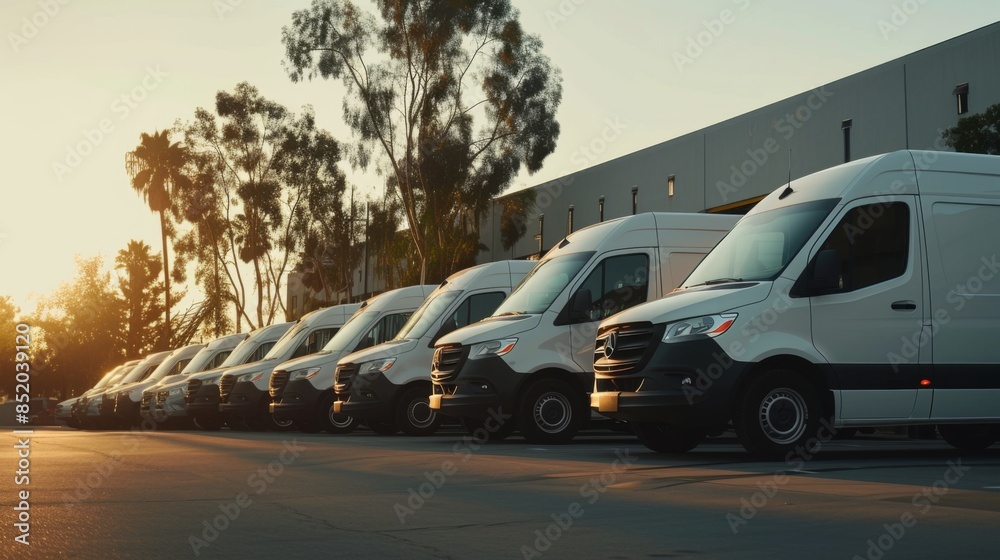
(552, 412)
(782, 415)
(419, 413)
(340, 420)
(281, 422)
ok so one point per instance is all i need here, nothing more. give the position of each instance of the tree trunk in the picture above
(166, 278)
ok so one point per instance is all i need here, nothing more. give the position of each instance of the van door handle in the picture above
(904, 306)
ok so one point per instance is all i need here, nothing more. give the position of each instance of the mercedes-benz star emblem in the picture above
(610, 344)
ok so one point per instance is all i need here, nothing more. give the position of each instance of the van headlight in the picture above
(492, 348)
(250, 377)
(177, 391)
(709, 325)
(376, 366)
(211, 381)
(307, 373)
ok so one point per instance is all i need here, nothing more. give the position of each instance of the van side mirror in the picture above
(579, 306)
(827, 272)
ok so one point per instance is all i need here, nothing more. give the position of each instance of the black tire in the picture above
(334, 423)
(381, 427)
(278, 423)
(207, 423)
(969, 437)
(664, 438)
(414, 415)
(777, 412)
(549, 412)
(476, 426)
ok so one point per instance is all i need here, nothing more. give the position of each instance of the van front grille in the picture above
(193, 386)
(226, 387)
(619, 349)
(277, 383)
(446, 362)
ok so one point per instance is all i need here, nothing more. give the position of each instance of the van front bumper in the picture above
(688, 384)
(368, 398)
(244, 400)
(298, 399)
(476, 388)
(205, 401)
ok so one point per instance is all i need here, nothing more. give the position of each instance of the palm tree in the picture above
(156, 169)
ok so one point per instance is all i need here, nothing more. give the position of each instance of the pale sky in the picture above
(133, 67)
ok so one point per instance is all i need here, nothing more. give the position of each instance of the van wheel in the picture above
(414, 414)
(549, 412)
(664, 438)
(335, 423)
(969, 437)
(477, 427)
(777, 412)
(207, 423)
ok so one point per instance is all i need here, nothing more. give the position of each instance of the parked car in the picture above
(864, 295)
(532, 360)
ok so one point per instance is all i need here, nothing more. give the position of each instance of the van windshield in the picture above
(351, 330)
(543, 284)
(430, 311)
(761, 245)
(287, 343)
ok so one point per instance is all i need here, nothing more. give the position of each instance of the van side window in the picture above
(218, 359)
(385, 329)
(260, 352)
(616, 284)
(473, 309)
(315, 342)
(873, 242)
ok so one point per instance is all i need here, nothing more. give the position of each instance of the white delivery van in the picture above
(302, 389)
(146, 388)
(864, 295)
(243, 390)
(170, 394)
(84, 405)
(533, 358)
(200, 399)
(106, 406)
(389, 385)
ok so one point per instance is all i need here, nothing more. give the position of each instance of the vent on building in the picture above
(845, 126)
(670, 186)
(635, 199)
(962, 97)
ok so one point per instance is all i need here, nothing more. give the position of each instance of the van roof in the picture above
(474, 274)
(640, 230)
(408, 297)
(327, 314)
(896, 172)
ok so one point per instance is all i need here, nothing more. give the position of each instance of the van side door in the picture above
(870, 326)
(963, 248)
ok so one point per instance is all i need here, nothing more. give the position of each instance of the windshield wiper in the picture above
(717, 281)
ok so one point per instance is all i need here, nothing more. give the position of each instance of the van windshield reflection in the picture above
(543, 284)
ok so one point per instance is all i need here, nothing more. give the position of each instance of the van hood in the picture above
(491, 328)
(694, 302)
(182, 383)
(265, 366)
(208, 374)
(388, 349)
(318, 359)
